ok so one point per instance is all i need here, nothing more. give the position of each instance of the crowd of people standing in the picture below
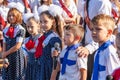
(60, 39)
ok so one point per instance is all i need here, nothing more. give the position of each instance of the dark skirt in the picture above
(15, 70)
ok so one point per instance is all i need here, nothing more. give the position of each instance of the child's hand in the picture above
(55, 53)
(5, 63)
(52, 78)
(1, 35)
(82, 51)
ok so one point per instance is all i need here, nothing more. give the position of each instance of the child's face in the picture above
(12, 18)
(69, 37)
(99, 34)
(46, 23)
(32, 27)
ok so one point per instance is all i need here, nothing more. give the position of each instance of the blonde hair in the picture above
(17, 14)
(77, 29)
(104, 20)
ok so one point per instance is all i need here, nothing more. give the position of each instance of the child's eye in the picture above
(11, 15)
(40, 21)
(98, 29)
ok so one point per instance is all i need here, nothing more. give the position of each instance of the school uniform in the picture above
(56, 2)
(46, 61)
(72, 8)
(15, 70)
(108, 61)
(92, 47)
(72, 64)
(80, 7)
(29, 48)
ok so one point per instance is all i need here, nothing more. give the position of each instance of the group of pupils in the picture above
(37, 63)
(38, 48)
(31, 58)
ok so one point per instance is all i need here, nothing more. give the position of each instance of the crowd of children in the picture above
(87, 34)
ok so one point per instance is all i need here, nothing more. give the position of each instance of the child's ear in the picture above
(110, 31)
(77, 37)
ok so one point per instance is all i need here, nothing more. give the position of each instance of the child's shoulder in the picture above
(53, 37)
(111, 48)
(26, 39)
(5, 29)
(20, 27)
(63, 51)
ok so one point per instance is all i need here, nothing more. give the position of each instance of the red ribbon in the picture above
(10, 32)
(2, 22)
(39, 48)
(65, 9)
(30, 44)
(114, 14)
(26, 3)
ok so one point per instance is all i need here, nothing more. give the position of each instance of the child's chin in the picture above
(95, 40)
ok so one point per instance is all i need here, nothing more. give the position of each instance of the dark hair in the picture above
(47, 3)
(57, 26)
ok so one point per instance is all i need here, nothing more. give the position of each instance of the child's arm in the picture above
(82, 65)
(57, 69)
(4, 48)
(54, 72)
(83, 74)
(5, 60)
(12, 49)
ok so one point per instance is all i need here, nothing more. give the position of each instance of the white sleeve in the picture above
(112, 60)
(74, 10)
(19, 39)
(24, 50)
(80, 7)
(92, 47)
(82, 62)
(104, 8)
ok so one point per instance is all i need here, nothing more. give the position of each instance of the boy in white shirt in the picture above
(70, 65)
(105, 59)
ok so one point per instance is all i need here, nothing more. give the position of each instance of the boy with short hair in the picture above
(70, 65)
(105, 59)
